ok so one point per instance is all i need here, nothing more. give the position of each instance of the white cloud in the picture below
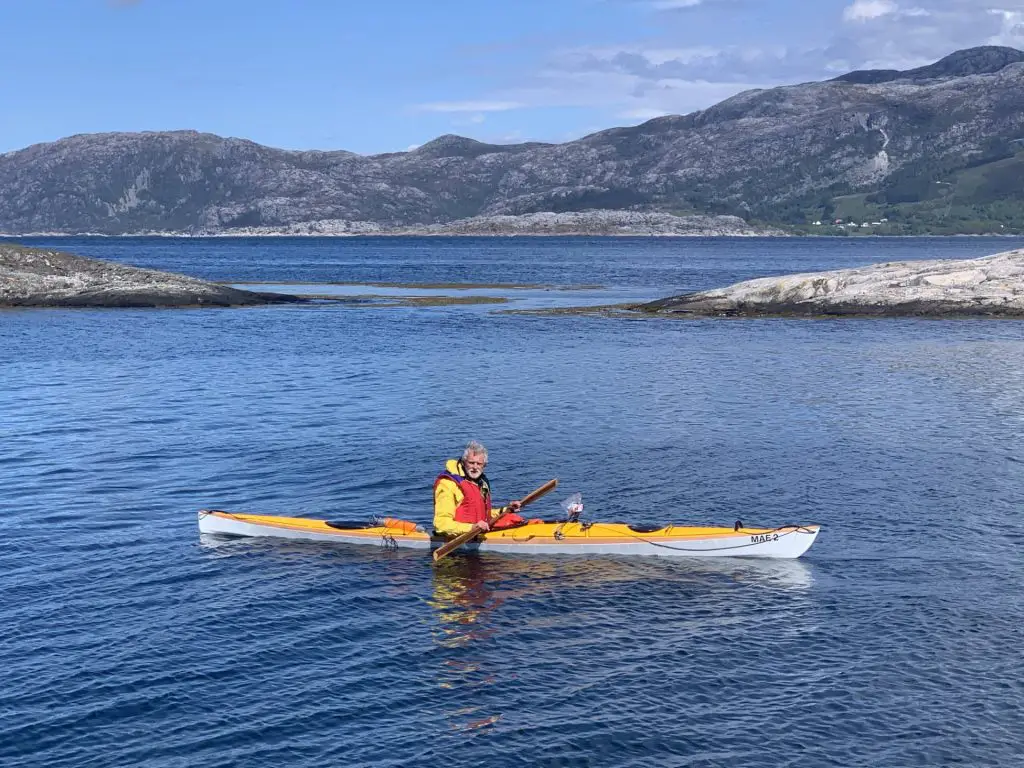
(910, 36)
(1011, 31)
(671, 5)
(509, 137)
(676, 71)
(470, 106)
(654, 56)
(632, 81)
(467, 120)
(864, 10)
(643, 113)
(627, 94)
(730, 66)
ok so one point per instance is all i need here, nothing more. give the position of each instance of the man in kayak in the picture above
(462, 496)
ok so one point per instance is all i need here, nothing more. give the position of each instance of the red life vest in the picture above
(475, 505)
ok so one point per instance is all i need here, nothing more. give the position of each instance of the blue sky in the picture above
(391, 74)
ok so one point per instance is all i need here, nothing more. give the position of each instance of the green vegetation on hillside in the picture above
(983, 194)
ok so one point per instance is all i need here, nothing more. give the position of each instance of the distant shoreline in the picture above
(392, 235)
(440, 236)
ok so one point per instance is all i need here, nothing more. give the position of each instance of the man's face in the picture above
(474, 464)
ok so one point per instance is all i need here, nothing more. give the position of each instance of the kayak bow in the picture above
(540, 538)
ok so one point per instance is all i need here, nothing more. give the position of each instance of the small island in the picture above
(36, 277)
(991, 286)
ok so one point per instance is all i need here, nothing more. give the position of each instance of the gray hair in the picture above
(473, 448)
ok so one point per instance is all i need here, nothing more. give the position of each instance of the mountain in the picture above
(983, 60)
(942, 141)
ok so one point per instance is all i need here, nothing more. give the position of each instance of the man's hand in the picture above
(514, 506)
(483, 525)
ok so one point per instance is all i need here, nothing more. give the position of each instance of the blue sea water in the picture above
(130, 641)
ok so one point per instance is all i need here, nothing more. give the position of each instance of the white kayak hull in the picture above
(549, 538)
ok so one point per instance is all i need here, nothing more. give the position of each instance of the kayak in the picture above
(549, 537)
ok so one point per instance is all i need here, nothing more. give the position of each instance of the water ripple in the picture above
(133, 641)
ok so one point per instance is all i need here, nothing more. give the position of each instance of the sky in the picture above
(373, 76)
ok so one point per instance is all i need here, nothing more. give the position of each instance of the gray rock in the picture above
(989, 286)
(34, 277)
(603, 223)
(616, 223)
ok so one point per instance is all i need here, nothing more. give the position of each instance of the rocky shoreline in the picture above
(35, 277)
(594, 223)
(991, 286)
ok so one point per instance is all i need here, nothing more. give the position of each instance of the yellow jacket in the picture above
(447, 497)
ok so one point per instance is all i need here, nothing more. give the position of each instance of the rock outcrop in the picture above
(597, 223)
(989, 286)
(600, 223)
(34, 277)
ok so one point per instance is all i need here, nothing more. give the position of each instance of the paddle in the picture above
(462, 538)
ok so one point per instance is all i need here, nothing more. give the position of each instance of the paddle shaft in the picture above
(473, 532)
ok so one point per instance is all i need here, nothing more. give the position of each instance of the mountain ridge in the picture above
(786, 154)
(985, 59)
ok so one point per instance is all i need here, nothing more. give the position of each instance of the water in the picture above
(130, 641)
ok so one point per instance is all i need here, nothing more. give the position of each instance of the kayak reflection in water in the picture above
(462, 496)
(468, 591)
(462, 599)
